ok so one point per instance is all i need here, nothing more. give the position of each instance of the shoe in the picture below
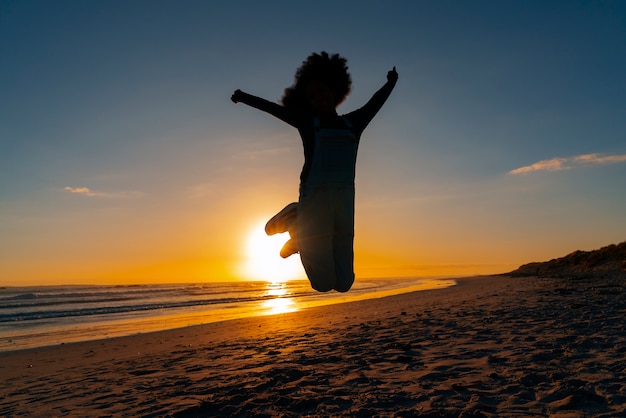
(289, 248)
(281, 221)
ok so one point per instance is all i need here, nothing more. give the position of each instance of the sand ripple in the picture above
(490, 347)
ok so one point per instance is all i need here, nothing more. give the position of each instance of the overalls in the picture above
(326, 210)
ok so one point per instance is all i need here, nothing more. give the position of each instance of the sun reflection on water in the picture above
(280, 303)
(277, 288)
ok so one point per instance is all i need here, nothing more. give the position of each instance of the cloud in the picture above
(86, 191)
(80, 190)
(568, 163)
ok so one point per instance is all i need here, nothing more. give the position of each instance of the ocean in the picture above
(50, 315)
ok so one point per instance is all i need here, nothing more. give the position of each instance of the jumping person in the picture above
(321, 223)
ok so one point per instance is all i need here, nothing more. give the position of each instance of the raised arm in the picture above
(366, 113)
(273, 109)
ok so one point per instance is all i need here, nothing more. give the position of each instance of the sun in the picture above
(263, 261)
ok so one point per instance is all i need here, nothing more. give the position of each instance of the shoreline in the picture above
(489, 346)
(277, 299)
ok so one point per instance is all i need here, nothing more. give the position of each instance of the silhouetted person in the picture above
(321, 223)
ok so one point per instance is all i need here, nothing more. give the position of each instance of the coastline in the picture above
(39, 317)
(491, 345)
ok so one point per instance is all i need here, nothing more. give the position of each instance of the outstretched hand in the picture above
(392, 75)
(236, 97)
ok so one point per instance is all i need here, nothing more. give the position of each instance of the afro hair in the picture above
(331, 70)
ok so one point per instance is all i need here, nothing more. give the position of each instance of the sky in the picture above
(123, 159)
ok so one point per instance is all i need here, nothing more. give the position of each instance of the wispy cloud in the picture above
(86, 191)
(568, 163)
(81, 190)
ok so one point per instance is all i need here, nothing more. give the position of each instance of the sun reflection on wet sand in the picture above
(280, 305)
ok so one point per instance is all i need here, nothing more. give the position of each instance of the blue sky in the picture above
(123, 158)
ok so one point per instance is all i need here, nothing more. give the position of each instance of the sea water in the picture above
(49, 315)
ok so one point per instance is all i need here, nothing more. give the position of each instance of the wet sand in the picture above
(490, 346)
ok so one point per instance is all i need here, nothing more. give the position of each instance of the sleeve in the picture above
(363, 116)
(272, 108)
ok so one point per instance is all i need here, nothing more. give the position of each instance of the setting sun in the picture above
(263, 261)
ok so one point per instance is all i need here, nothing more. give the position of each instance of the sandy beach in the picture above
(489, 347)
